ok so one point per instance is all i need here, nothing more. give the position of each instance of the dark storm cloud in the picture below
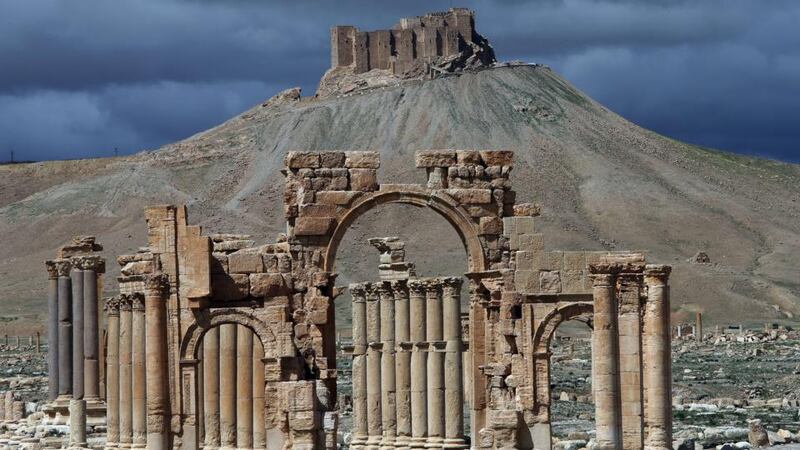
(138, 74)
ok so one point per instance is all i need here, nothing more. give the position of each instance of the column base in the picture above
(454, 443)
(402, 443)
(434, 442)
(418, 442)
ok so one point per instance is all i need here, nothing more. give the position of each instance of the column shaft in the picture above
(125, 373)
(91, 342)
(77, 333)
(360, 423)
(227, 385)
(156, 358)
(453, 370)
(244, 388)
(605, 367)
(77, 424)
(259, 420)
(112, 372)
(374, 412)
(52, 335)
(402, 363)
(64, 335)
(211, 388)
(388, 380)
(419, 358)
(657, 360)
(435, 336)
(139, 374)
(630, 360)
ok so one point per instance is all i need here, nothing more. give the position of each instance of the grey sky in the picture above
(79, 78)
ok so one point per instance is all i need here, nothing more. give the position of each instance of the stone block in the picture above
(340, 198)
(339, 183)
(526, 281)
(303, 421)
(232, 246)
(318, 210)
(572, 281)
(284, 263)
(299, 396)
(331, 159)
(219, 263)
(473, 196)
(364, 180)
(527, 210)
(497, 157)
(468, 157)
(270, 261)
(269, 284)
(490, 225)
(245, 261)
(435, 158)
(575, 261)
(531, 242)
(302, 160)
(503, 419)
(362, 160)
(229, 287)
(313, 226)
(550, 281)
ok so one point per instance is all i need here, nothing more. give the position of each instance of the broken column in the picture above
(77, 423)
(360, 424)
(155, 313)
(657, 360)
(605, 363)
(419, 362)
(435, 369)
(698, 335)
(453, 371)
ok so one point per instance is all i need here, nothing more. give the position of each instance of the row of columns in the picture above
(137, 391)
(73, 327)
(233, 389)
(407, 364)
(631, 354)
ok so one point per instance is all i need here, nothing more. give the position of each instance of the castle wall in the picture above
(380, 49)
(342, 38)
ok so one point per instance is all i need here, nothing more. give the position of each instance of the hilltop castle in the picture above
(447, 40)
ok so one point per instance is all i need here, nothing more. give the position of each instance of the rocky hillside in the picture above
(603, 182)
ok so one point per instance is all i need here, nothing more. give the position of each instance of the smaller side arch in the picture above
(208, 320)
(544, 332)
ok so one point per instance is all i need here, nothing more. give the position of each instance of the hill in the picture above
(603, 182)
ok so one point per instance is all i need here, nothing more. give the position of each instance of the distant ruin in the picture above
(412, 45)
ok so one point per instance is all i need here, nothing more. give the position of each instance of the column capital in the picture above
(416, 287)
(433, 287)
(384, 289)
(400, 288)
(112, 306)
(94, 263)
(62, 267)
(137, 303)
(358, 292)
(451, 285)
(52, 270)
(371, 292)
(655, 274)
(156, 284)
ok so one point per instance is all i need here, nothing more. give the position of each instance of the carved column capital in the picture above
(125, 302)
(94, 263)
(112, 305)
(52, 270)
(137, 302)
(657, 274)
(416, 288)
(451, 286)
(400, 288)
(156, 284)
(433, 287)
(385, 291)
(63, 267)
(358, 292)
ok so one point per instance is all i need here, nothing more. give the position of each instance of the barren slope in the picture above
(603, 183)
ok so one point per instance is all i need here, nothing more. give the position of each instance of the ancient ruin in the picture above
(214, 341)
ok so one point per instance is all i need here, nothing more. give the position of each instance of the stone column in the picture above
(630, 359)
(657, 360)
(139, 373)
(77, 329)
(388, 383)
(227, 385)
(259, 419)
(64, 328)
(698, 336)
(419, 358)
(374, 414)
(77, 423)
(91, 332)
(435, 336)
(211, 384)
(125, 372)
(112, 372)
(402, 332)
(360, 424)
(453, 368)
(605, 364)
(52, 331)
(244, 388)
(156, 297)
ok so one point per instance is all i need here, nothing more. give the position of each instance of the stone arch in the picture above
(439, 202)
(212, 318)
(541, 432)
